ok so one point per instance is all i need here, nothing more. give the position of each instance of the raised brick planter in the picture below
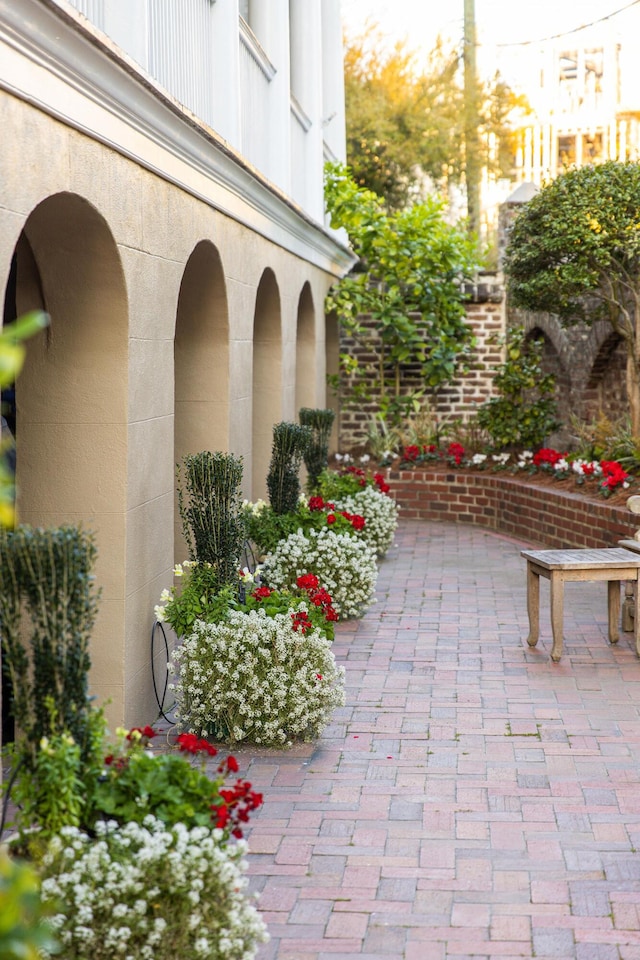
(543, 516)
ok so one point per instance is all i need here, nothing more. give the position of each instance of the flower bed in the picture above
(536, 509)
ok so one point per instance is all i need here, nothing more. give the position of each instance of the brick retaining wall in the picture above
(541, 516)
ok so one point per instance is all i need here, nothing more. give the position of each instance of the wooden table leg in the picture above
(613, 596)
(557, 601)
(533, 604)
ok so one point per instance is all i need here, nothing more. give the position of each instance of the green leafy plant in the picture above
(290, 442)
(55, 782)
(138, 782)
(48, 572)
(25, 933)
(409, 283)
(524, 412)
(209, 504)
(198, 597)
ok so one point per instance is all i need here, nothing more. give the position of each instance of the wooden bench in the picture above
(612, 565)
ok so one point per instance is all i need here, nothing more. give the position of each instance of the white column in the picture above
(306, 86)
(333, 117)
(226, 69)
(269, 21)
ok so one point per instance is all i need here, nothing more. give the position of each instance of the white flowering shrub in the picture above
(345, 565)
(150, 892)
(380, 512)
(266, 679)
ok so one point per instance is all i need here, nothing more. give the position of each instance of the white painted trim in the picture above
(303, 119)
(251, 44)
(51, 57)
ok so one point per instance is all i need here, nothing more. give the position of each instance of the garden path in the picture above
(472, 799)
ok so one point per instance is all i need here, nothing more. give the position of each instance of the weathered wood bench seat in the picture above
(612, 565)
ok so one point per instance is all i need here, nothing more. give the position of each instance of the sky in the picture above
(501, 25)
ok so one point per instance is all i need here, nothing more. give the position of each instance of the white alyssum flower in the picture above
(264, 681)
(345, 565)
(126, 893)
(380, 512)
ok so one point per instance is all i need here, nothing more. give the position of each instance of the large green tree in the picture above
(409, 281)
(406, 119)
(574, 251)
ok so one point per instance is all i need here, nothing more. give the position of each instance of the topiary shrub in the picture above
(48, 574)
(210, 509)
(290, 441)
(316, 456)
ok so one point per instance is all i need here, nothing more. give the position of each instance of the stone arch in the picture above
(556, 341)
(72, 401)
(201, 371)
(267, 377)
(605, 389)
(306, 350)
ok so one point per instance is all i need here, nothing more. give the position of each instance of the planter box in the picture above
(554, 516)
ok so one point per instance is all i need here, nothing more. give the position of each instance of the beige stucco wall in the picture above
(96, 403)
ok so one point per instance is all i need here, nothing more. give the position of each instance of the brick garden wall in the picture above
(541, 516)
(485, 315)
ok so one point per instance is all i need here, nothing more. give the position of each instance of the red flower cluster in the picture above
(456, 452)
(261, 593)
(189, 743)
(301, 622)
(359, 473)
(317, 504)
(546, 457)
(238, 802)
(613, 475)
(317, 594)
(381, 483)
(356, 521)
(308, 581)
(411, 453)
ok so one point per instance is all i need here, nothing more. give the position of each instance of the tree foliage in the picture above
(574, 251)
(405, 121)
(412, 264)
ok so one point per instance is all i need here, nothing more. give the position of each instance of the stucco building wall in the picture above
(186, 301)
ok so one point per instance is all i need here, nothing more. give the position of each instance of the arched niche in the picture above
(267, 378)
(201, 419)
(71, 402)
(306, 351)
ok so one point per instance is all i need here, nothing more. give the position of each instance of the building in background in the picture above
(585, 104)
(161, 198)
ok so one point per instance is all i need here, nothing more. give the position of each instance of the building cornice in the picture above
(53, 58)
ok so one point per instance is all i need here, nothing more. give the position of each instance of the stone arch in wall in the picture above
(605, 391)
(201, 354)
(554, 351)
(266, 379)
(72, 399)
(305, 351)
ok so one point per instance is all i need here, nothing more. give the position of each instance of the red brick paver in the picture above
(472, 800)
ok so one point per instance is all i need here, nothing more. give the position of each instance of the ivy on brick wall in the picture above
(409, 281)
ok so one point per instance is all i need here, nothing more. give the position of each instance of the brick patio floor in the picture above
(472, 799)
